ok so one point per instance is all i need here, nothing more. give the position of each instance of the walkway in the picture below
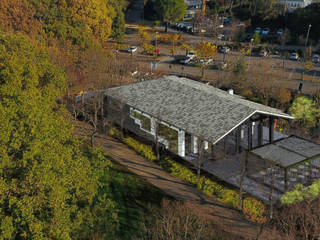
(222, 215)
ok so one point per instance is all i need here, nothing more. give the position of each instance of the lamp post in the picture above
(305, 45)
(251, 40)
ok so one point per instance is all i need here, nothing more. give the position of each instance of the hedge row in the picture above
(252, 208)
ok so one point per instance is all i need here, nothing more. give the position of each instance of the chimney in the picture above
(230, 91)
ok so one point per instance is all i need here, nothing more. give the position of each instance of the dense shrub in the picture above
(253, 209)
(148, 49)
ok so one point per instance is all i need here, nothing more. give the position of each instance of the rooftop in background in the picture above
(289, 152)
(194, 107)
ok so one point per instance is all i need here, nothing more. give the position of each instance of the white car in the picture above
(225, 49)
(132, 49)
(265, 31)
(191, 55)
(294, 56)
(221, 65)
(258, 30)
(205, 61)
(316, 58)
(280, 31)
(220, 36)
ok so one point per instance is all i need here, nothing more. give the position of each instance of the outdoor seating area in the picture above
(285, 163)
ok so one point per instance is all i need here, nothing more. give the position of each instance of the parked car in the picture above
(280, 31)
(205, 61)
(265, 31)
(189, 28)
(220, 26)
(225, 49)
(191, 55)
(263, 53)
(220, 36)
(294, 56)
(132, 49)
(221, 65)
(258, 30)
(241, 24)
(185, 60)
(316, 58)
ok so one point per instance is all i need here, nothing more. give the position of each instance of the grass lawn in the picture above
(134, 198)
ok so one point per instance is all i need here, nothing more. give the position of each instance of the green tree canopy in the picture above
(46, 183)
(305, 111)
(170, 11)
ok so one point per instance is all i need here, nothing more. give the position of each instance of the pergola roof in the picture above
(289, 151)
(199, 109)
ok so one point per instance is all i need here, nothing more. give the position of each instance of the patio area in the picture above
(280, 165)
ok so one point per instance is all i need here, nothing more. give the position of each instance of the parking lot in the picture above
(287, 73)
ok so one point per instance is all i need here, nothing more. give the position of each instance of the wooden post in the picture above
(260, 133)
(212, 151)
(271, 194)
(224, 146)
(285, 179)
(271, 129)
(243, 173)
(200, 155)
(238, 139)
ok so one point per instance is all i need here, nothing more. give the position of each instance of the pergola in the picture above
(291, 160)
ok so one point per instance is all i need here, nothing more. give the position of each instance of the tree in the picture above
(143, 35)
(170, 11)
(205, 51)
(305, 112)
(178, 221)
(186, 47)
(285, 37)
(256, 39)
(174, 38)
(47, 184)
(118, 26)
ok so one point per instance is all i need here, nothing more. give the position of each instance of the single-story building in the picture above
(187, 110)
(187, 116)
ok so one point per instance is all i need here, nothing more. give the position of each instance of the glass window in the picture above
(145, 121)
(170, 135)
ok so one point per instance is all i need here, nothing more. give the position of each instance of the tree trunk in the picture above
(203, 8)
(92, 137)
(166, 27)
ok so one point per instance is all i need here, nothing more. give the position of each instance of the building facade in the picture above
(294, 4)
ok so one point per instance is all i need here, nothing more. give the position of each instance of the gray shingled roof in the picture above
(289, 151)
(192, 106)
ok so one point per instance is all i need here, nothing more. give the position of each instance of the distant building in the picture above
(194, 7)
(294, 4)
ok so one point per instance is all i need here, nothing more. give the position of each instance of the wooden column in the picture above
(260, 133)
(285, 179)
(238, 139)
(212, 151)
(271, 130)
(250, 136)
